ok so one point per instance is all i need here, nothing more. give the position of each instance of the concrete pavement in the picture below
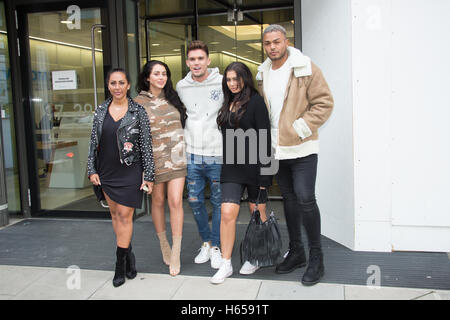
(44, 283)
(30, 283)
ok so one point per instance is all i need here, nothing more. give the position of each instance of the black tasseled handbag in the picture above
(262, 244)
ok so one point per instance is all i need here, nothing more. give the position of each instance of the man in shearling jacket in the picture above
(299, 102)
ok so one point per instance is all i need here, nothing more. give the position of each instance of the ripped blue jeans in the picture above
(200, 170)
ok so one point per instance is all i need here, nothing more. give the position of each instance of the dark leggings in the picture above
(297, 180)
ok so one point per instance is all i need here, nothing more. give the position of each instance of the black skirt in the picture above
(120, 182)
(133, 199)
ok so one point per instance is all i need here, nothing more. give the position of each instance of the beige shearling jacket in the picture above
(308, 103)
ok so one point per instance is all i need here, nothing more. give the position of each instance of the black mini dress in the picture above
(120, 182)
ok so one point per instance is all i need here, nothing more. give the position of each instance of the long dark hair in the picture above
(239, 99)
(169, 92)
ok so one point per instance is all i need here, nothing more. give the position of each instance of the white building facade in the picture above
(384, 166)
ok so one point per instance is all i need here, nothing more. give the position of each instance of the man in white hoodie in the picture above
(201, 93)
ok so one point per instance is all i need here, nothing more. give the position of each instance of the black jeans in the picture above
(297, 181)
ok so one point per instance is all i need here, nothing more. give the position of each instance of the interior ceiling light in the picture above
(66, 22)
(155, 44)
(256, 45)
(247, 32)
(240, 57)
(64, 43)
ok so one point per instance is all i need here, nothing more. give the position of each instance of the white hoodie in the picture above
(203, 101)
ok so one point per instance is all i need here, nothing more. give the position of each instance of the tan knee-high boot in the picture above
(175, 257)
(165, 247)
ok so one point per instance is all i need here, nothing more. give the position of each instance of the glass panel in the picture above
(283, 17)
(241, 3)
(7, 117)
(168, 7)
(228, 42)
(167, 43)
(63, 104)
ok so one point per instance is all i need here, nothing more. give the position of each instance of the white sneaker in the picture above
(204, 254)
(216, 257)
(248, 268)
(225, 270)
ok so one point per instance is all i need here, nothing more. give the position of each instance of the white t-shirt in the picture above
(276, 89)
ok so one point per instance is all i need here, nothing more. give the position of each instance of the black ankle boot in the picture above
(295, 259)
(130, 264)
(119, 276)
(316, 269)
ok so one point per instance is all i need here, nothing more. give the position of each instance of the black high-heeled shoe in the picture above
(131, 272)
(119, 275)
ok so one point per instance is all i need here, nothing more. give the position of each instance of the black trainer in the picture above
(295, 259)
(315, 270)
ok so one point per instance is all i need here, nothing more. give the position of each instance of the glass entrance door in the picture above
(61, 95)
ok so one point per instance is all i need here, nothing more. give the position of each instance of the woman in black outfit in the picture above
(120, 164)
(243, 116)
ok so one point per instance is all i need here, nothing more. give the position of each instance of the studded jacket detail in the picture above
(134, 138)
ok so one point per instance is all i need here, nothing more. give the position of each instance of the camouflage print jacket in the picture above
(134, 138)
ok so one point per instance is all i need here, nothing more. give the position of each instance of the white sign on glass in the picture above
(64, 80)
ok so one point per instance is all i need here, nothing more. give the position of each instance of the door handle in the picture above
(94, 73)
